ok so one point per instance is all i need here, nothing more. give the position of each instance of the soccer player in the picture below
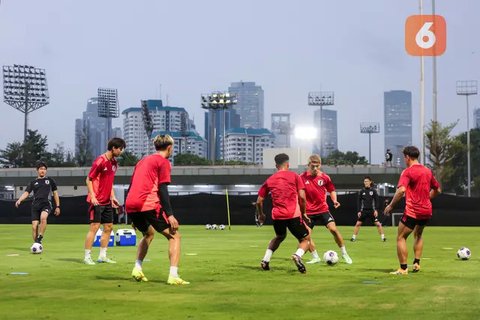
(102, 199)
(419, 186)
(368, 206)
(288, 199)
(43, 188)
(317, 184)
(148, 206)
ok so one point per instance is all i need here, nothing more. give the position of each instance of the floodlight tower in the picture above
(369, 127)
(218, 101)
(467, 88)
(321, 99)
(25, 88)
(108, 106)
(147, 123)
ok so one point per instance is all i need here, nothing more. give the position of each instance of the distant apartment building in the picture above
(328, 135)
(398, 122)
(281, 128)
(247, 144)
(476, 117)
(186, 142)
(250, 104)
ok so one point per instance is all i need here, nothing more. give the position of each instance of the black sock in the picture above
(403, 266)
(416, 261)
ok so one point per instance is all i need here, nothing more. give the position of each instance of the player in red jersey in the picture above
(419, 186)
(288, 199)
(102, 199)
(148, 205)
(317, 184)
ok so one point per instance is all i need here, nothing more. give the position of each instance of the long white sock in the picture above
(344, 250)
(174, 271)
(88, 253)
(354, 237)
(103, 253)
(383, 236)
(300, 252)
(268, 255)
(138, 264)
(315, 254)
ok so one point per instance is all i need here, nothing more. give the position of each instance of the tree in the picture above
(189, 159)
(127, 159)
(339, 158)
(59, 157)
(34, 149)
(12, 155)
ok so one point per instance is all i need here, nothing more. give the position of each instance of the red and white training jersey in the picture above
(316, 188)
(102, 175)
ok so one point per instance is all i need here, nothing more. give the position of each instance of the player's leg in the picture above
(404, 229)
(107, 222)
(280, 228)
(94, 217)
(299, 230)
(140, 222)
(42, 227)
(35, 224)
(358, 224)
(337, 236)
(174, 240)
(417, 246)
(380, 229)
(35, 214)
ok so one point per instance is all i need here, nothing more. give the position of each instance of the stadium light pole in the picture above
(467, 88)
(108, 106)
(321, 99)
(25, 88)
(213, 102)
(369, 127)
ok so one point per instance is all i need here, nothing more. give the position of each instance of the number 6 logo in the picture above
(425, 35)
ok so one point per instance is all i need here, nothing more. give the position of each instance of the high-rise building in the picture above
(249, 104)
(398, 122)
(281, 128)
(247, 144)
(328, 132)
(186, 142)
(214, 120)
(171, 120)
(92, 129)
(476, 117)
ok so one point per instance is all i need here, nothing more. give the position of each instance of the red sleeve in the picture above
(263, 191)
(164, 171)
(329, 185)
(96, 169)
(434, 183)
(300, 184)
(404, 179)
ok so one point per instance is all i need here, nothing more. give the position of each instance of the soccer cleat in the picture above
(176, 281)
(384, 239)
(105, 260)
(138, 275)
(416, 267)
(314, 260)
(298, 262)
(39, 239)
(347, 258)
(400, 272)
(353, 239)
(265, 265)
(88, 261)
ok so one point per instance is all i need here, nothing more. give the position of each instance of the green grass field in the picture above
(227, 282)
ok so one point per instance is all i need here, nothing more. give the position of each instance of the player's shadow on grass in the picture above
(20, 249)
(129, 279)
(76, 260)
(386, 270)
(258, 268)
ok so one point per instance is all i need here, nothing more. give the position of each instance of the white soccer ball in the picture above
(221, 227)
(36, 248)
(214, 227)
(330, 257)
(208, 226)
(464, 253)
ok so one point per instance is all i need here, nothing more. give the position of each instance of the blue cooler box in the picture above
(125, 237)
(96, 243)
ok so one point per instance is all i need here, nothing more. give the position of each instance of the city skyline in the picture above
(167, 52)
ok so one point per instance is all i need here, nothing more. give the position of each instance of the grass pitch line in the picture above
(13, 255)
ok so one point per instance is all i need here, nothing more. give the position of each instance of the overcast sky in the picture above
(354, 48)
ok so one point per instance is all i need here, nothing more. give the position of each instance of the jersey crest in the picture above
(320, 182)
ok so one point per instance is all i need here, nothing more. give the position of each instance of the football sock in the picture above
(403, 266)
(174, 271)
(383, 236)
(268, 255)
(344, 250)
(300, 252)
(138, 264)
(354, 237)
(103, 252)
(315, 254)
(416, 261)
(87, 253)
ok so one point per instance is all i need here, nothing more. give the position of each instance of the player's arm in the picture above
(435, 192)
(22, 197)
(398, 195)
(93, 198)
(113, 199)
(56, 198)
(333, 196)
(302, 202)
(167, 207)
(259, 204)
(359, 203)
(376, 204)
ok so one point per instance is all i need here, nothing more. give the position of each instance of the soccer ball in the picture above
(208, 226)
(214, 227)
(464, 253)
(36, 248)
(221, 227)
(330, 257)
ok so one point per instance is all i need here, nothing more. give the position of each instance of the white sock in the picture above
(354, 237)
(268, 255)
(103, 253)
(344, 250)
(383, 236)
(300, 252)
(87, 253)
(315, 254)
(138, 264)
(174, 271)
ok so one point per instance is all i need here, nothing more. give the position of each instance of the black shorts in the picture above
(142, 220)
(295, 225)
(412, 222)
(367, 213)
(101, 214)
(37, 210)
(320, 218)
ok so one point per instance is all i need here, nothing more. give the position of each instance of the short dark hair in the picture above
(162, 141)
(41, 164)
(281, 158)
(411, 151)
(367, 177)
(117, 143)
